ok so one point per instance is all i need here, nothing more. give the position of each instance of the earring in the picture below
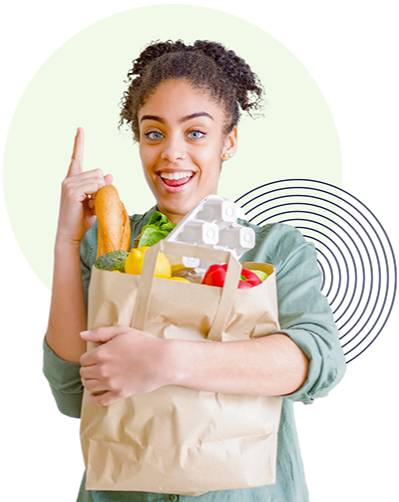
(227, 156)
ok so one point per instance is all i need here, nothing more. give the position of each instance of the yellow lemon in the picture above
(134, 263)
(180, 279)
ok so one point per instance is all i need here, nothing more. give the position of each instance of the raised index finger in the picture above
(76, 165)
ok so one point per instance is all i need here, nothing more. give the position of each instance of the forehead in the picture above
(178, 98)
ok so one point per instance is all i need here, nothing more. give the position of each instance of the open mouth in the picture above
(176, 186)
(177, 179)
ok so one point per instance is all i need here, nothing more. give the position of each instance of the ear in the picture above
(230, 144)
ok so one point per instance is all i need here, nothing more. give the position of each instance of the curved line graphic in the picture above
(318, 231)
(292, 188)
(313, 221)
(285, 196)
(285, 212)
(288, 179)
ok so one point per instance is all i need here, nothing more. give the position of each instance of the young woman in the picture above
(183, 107)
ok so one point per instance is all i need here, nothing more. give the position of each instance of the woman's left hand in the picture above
(128, 362)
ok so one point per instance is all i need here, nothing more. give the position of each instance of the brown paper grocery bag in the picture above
(177, 440)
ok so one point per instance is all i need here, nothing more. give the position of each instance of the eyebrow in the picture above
(184, 119)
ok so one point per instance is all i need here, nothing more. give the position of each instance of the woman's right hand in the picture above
(77, 213)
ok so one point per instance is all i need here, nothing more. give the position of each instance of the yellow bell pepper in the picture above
(179, 279)
(134, 263)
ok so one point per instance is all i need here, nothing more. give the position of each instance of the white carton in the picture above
(211, 223)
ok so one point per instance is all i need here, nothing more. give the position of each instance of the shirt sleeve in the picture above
(88, 251)
(305, 315)
(65, 382)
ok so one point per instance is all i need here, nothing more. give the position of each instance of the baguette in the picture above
(113, 221)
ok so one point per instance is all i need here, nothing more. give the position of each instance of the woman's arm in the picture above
(269, 366)
(68, 309)
(134, 362)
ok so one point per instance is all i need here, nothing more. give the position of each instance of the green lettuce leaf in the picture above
(157, 228)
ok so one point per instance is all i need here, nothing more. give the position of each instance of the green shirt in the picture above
(305, 317)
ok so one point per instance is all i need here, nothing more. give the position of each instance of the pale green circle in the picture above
(81, 85)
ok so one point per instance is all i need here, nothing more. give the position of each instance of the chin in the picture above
(178, 211)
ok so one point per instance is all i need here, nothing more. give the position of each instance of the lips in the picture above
(175, 186)
(176, 179)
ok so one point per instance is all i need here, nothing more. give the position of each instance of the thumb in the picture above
(108, 178)
(102, 334)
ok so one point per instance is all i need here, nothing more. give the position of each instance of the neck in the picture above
(172, 217)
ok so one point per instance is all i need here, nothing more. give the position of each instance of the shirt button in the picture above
(173, 498)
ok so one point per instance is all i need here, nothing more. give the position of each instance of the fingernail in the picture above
(85, 333)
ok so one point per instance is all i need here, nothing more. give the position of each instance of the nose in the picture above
(173, 149)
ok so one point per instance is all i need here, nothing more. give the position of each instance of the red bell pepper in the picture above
(216, 275)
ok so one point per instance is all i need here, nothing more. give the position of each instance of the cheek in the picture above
(145, 157)
(145, 163)
(215, 164)
(213, 154)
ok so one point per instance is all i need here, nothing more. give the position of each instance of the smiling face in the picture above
(182, 145)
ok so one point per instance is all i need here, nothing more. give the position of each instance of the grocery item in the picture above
(113, 261)
(178, 279)
(249, 278)
(134, 263)
(157, 228)
(262, 275)
(216, 275)
(211, 223)
(113, 221)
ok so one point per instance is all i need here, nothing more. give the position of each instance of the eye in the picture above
(195, 134)
(147, 134)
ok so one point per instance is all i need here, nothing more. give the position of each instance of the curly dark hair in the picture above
(206, 65)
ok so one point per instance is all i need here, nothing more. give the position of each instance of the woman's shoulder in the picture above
(275, 242)
(273, 231)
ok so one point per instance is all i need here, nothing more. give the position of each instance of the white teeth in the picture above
(176, 176)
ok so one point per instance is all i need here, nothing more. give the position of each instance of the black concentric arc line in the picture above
(282, 181)
(303, 219)
(291, 195)
(289, 204)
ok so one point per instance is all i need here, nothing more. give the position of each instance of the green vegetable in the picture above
(157, 228)
(115, 260)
